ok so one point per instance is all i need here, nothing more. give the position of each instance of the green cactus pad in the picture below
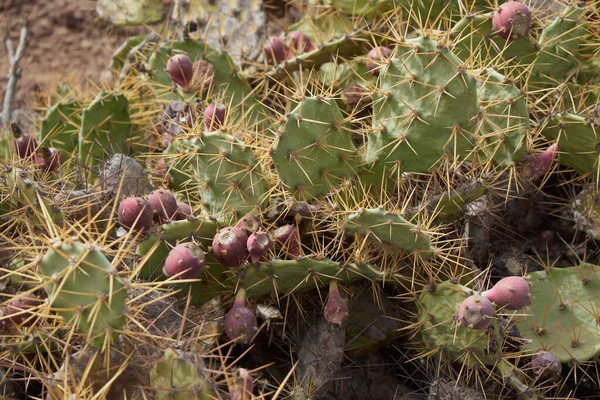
(60, 127)
(391, 229)
(439, 329)
(578, 143)
(85, 289)
(564, 316)
(423, 112)
(287, 276)
(314, 149)
(360, 7)
(105, 128)
(447, 206)
(176, 376)
(219, 168)
(120, 55)
(130, 12)
(504, 120)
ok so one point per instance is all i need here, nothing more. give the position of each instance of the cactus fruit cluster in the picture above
(409, 182)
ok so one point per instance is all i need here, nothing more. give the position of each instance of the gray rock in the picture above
(125, 176)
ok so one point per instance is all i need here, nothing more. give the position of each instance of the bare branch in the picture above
(14, 72)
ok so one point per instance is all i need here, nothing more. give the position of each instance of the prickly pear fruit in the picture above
(300, 42)
(374, 58)
(512, 20)
(546, 364)
(17, 309)
(353, 95)
(184, 211)
(185, 259)
(258, 244)
(510, 293)
(240, 322)
(229, 247)
(538, 164)
(287, 238)
(336, 308)
(135, 213)
(164, 205)
(214, 116)
(275, 50)
(475, 312)
(181, 70)
(242, 386)
(249, 224)
(25, 145)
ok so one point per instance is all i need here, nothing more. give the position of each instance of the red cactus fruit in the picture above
(18, 310)
(181, 70)
(135, 213)
(475, 312)
(512, 20)
(511, 293)
(214, 116)
(164, 205)
(242, 386)
(240, 322)
(249, 224)
(374, 58)
(184, 211)
(336, 308)
(300, 42)
(185, 259)
(25, 145)
(287, 238)
(546, 364)
(275, 50)
(229, 247)
(538, 164)
(258, 244)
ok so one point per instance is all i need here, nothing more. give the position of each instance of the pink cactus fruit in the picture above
(240, 322)
(181, 70)
(287, 238)
(164, 205)
(18, 310)
(214, 117)
(336, 308)
(375, 57)
(276, 50)
(249, 224)
(475, 312)
(300, 42)
(512, 20)
(258, 244)
(229, 247)
(510, 293)
(538, 164)
(242, 386)
(135, 214)
(185, 259)
(25, 145)
(184, 211)
(546, 364)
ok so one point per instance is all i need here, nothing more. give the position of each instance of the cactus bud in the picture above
(275, 50)
(374, 58)
(300, 42)
(184, 211)
(18, 309)
(164, 205)
(249, 224)
(545, 363)
(336, 309)
(258, 244)
(47, 159)
(535, 165)
(475, 312)
(512, 20)
(185, 259)
(181, 70)
(214, 116)
(287, 238)
(511, 293)
(25, 145)
(135, 213)
(229, 247)
(240, 322)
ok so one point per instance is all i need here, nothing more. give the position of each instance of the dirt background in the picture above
(67, 42)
